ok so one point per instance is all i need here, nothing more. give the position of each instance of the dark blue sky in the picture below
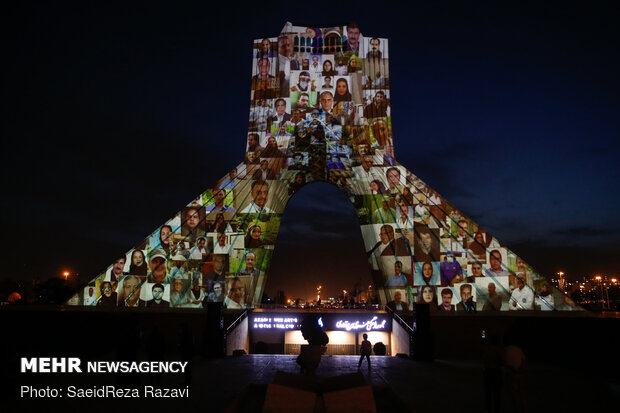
(115, 117)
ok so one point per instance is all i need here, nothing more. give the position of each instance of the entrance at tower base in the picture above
(278, 332)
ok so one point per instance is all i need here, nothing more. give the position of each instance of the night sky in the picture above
(115, 116)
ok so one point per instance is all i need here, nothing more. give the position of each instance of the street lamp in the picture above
(66, 274)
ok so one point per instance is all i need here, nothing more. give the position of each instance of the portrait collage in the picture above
(320, 110)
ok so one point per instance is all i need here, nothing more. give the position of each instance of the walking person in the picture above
(365, 351)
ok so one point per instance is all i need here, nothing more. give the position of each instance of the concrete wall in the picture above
(238, 339)
(400, 339)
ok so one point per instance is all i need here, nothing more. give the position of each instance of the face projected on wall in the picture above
(386, 234)
(193, 218)
(260, 193)
(158, 269)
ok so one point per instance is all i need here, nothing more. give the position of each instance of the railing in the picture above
(399, 320)
(238, 320)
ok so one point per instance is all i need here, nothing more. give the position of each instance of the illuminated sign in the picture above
(272, 322)
(372, 324)
(328, 322)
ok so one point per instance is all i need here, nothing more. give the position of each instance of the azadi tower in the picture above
(320, 110)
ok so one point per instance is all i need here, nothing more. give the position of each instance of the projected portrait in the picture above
(397, 299)
(426, 295)
(426, 273)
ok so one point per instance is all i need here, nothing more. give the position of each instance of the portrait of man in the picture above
(263, 83)
(353, 36)
(280, 116)
(250, 264)
(264, 49)
(196, 295)
(218, 271)
(264, 172)
(130, 292)
(384, 214)
(397, 304)
(221, 246)
(303, 82)
(450, 270)
(264, 66)
(315, 66)
(303, 101)
(378, 107)
(327, 101)
(217, 294)
(297, 162)
(260, 196)
(157, 266)
(116, 272)
(467, 302)
(476, 270)
(236, 294)
(366, 171)
(327, 83)
(283, 137)
(253, 143)
(199, 251)
(374, 52)
(495, 262)
(522, 297)
(297, 116)
(392, 175)
(158, 297)
(446, 300)
(217, 203)
(493, 300)
(89, 296)
(397, 279)
(388, 244)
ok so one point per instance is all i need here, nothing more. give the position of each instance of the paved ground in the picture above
(441, 386)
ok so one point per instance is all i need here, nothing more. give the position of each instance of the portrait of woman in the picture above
(219, 225)
(426, 273)
(342, 91)
(353, 65)
(377, 187)
(164, 237)
(426, 295)
(328, 68)
(138, 263)
(108, 297)
(252, 237)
